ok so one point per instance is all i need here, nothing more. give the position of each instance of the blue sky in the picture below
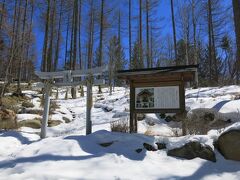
(163, 21)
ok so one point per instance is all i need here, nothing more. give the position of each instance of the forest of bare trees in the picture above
(53, 35)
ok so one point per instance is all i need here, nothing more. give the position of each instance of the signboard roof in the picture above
(171, 73)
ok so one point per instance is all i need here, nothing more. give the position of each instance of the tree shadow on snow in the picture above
(222, 166)
(121, 144)
(17, 135)
(42, 158)
(219, 105)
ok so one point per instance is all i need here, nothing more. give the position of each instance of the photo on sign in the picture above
(145, 98)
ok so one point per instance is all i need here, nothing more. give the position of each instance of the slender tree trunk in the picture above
(19, 91)
(195, 56)
(130, 33)
(71, 42)
(151, 46)
(50, 50)
(73, 90)
(101, 41)
(29, 41)
(45, 45)
(174, 32)
(58, 37)
(149, 64)
(140, 35)
(79, 34)
(66, 43)
(210, 40)
(2, 14)
(12, 51)
(90, 35)
(236, 12)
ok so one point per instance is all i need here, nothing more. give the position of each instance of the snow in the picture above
(67, 153)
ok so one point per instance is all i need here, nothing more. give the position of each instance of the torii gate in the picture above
(68, 80)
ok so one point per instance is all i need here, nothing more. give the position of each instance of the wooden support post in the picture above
(183, 109)
(89, 104)
(132, 104)
(46, 110)
(135, 122)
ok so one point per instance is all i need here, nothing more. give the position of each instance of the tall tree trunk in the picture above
(12, 51)
(73, 90)
(195, 56)
(29, 41)
(210, 40)
(45, 44)
(2, 14)
(58, 38)
(174, 32)
(90, 35)
(66, 43)
(140, 35)
(149, 63)
(19, 91)
(236, 12)
(50, 49)
(71, 41)
(101, 41)
(79, 34)
(130, 33)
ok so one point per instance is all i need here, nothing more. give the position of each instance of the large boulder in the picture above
(193, 150)
(8, 119)
(228, 144)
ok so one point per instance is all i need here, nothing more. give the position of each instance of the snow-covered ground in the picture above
(68, 154)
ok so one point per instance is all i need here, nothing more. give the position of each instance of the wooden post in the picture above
(135, 122)
(46, 110)
(183, 109)
(89, 104)
(132, 114)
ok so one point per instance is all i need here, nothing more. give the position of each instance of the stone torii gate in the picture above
(68, 80)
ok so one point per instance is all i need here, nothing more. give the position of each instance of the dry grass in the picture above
(120, 126)
(27, 104)
(52, 123)
(7, 120)
(33, 123)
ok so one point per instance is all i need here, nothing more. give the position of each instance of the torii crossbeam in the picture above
(68, 80)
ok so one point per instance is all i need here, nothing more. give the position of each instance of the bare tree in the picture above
(236, 12)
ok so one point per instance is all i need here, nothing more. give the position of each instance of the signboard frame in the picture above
(179, 84)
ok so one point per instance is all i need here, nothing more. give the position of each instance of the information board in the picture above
(166, 97)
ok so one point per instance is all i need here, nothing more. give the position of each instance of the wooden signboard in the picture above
(157, 90)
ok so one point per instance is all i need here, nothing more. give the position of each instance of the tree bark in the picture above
(58, 38)
(236, 12)
(130, 33)
(174, 32)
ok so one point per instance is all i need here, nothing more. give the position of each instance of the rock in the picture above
(120, 114)
(228, 145)
(161, 146)
(106, 144)
(107, 108)
(103, 106)
(192, 150)
(138, 150)
(66, 119)
(52, 123)
(140, 117)
(149, 147)
(97, 105)
(8, 119)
